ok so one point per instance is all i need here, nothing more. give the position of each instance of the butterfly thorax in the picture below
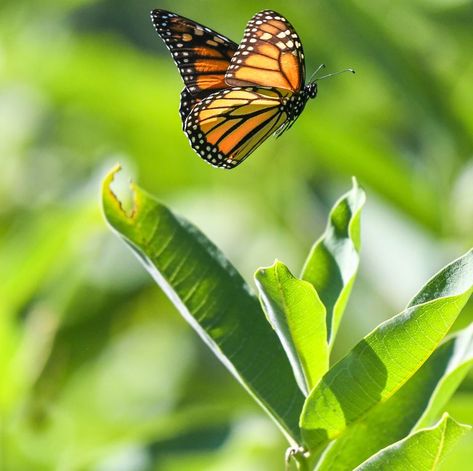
(311, 89)
(295, 104)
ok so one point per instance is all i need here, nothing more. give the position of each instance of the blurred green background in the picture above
(97, 369)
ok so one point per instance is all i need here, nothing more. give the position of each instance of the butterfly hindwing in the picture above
(201, 55)
(269, 55)
(228, 125)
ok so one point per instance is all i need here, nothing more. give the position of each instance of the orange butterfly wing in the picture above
(201, 54)
(228, 126)
(270, 55)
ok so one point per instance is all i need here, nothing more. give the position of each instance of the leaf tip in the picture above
(448, 420)
(358, 191)
(108, 196)
(277, 263)
(272, 270)
(108, 180)
(112, 205)
(354, 183)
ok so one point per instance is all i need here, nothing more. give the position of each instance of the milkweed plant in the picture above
(379, 407)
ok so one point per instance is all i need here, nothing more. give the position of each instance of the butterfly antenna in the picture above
(321, 66)
(335, 73)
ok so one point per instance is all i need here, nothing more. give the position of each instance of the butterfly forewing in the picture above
(227, 126)
(201, 55)
(269, 55)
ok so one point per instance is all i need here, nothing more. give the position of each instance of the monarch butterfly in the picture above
(236, 96)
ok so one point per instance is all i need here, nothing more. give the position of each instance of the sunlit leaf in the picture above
(333, 261)
(212, 297)
(385, 359)
(417, 404)
(298, 317)
(422, 451)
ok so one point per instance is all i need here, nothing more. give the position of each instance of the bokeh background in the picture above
(97, 369)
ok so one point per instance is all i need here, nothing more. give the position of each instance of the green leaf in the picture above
(213, 298)
(424, 450)
(459, 350)
(333, 260)
(297, 314)
(417, 404)
(385, 359)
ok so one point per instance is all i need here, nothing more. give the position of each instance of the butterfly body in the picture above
(236, 96)
(296, 104)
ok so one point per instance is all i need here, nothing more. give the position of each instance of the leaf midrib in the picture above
(440, 448)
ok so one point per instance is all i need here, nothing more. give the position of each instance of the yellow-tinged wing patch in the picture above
(228, 126)
(269, 55)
